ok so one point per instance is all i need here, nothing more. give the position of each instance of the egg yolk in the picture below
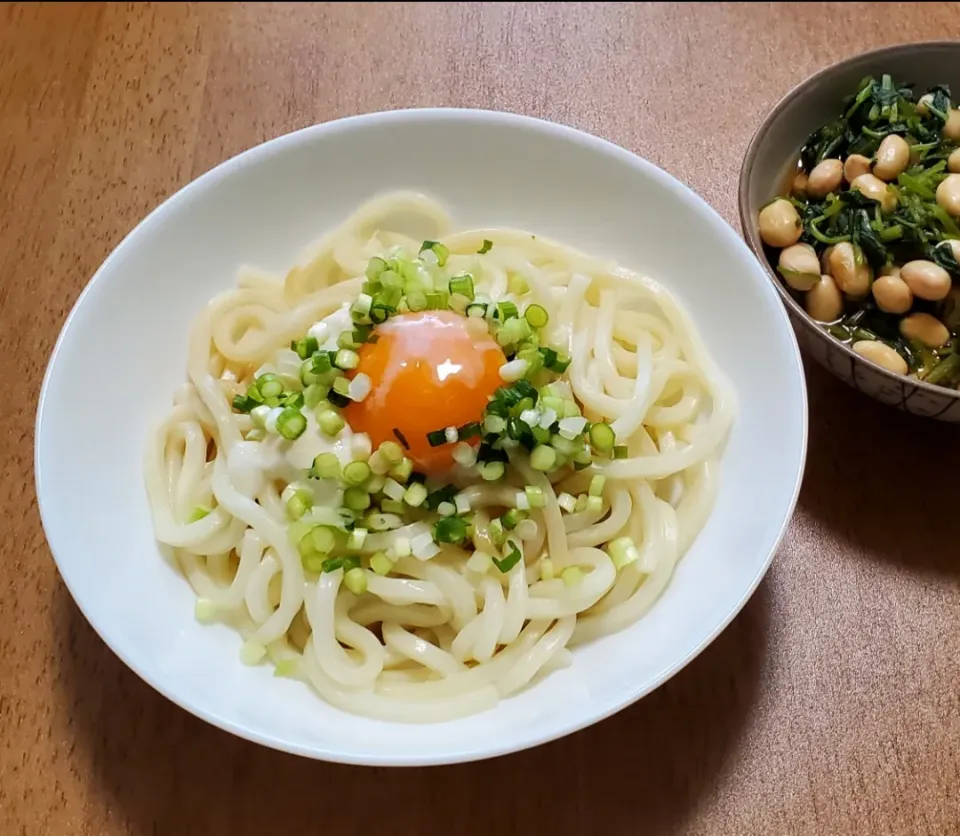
(428, 371)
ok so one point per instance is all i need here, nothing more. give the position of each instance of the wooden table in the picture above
(830, 706)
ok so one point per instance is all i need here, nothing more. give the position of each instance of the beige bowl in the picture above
(773, 152)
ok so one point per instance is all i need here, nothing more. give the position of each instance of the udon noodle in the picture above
(440, 638)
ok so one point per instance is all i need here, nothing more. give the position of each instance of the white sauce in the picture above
(251, 463)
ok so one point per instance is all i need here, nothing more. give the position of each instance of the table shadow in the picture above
(881, 479)
(155, 769)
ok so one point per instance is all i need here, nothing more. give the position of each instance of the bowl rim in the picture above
(797, 311)
(575, 722)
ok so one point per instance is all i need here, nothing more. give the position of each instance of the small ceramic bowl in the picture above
(773, 152)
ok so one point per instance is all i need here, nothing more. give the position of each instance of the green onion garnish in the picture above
(269, 385)
(462, 285)
(450, 530)
(620, 451)
(356, 499)
(536, 315)
(291, 423)
(511, 560)
(330, 422)
(322, 539)
(439, 250)
(306, 347)
(507, 310)
(198, 513)
(543, 457)
(437, 438)
(356, 473)
(602, 437)
(243, 403)
(487, 246)
(468, 430)
(356, 581)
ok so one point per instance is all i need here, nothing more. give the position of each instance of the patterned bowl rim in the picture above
(752, 237)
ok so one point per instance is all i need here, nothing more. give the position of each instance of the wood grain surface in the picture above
(829, 706)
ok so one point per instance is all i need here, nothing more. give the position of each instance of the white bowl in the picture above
(123, 351)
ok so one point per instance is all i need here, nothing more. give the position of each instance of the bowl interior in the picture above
(773, 154)
(130, 328)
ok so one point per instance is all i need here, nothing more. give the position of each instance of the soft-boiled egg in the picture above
(428, 371)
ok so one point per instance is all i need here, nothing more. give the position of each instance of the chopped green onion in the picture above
(543, 457)
(546, 569)
(514, 370)
(437, 438)
(536, 315)
(597, 484)
(330, 422)
(491, 471)
(243, 403)
(437, 300)
(402, 471)
(439, 250)
(512, 518)
(256, 434)
(572, 575)
(356, 473)
(535, 497)
(375, 268)
(496, 532)
(381, 564)
(378, 463)
(507, 310)
(393, 506)
(415, 495)
(477, 310)
(487, 246)
(494, 424)
(347, 359)
(356, 499)
(313, 394)
(468, 430)
(298, 504)
(581, 503)
(291, 423)
(623, 551)
(323, 538)
(417, 300)
(356, 538)
(602, 437)
(269, 385)
(314, 562)
(462, 285)
(392, 452)
(620, 451)
(287, 668)
(205, 611)
(252, 652)
(306, 347)
(464, 454)
(356, 581)
(450, 530)
(326, 466)
(595, 504)
(511, 560)
(517, 285)
(198, 513)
